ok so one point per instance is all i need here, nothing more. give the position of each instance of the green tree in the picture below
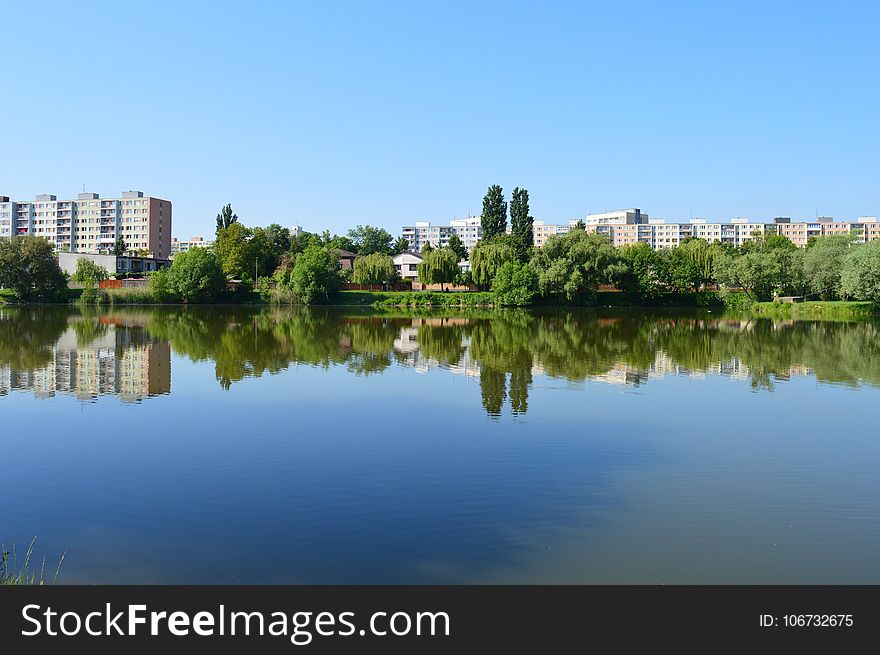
(315, 275)
(487, 257)
(338, 242)
(690, 265)
(580, 225)
(860, 278)
(368, 240)
(494, 217)
(456, 246)
(400, 245)
(573, 265)
(823, 265)
(520, 220)
(262, 251)
(279, 236)
(762, 270)
(373, 269)
(515, 284)
(235, 252)
(302, 241)
(159, 284)
(119, 247)
(426, 248)
(29, 268)
(88, 273)
(644, 270)
(195, 276)
(438, 266)
(225, 218)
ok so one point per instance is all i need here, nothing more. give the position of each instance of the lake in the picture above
(346, 445)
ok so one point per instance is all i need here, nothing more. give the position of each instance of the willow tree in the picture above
(487, 257)
(439, 266)
(373, 269)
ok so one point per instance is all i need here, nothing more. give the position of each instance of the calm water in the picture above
(347, 446)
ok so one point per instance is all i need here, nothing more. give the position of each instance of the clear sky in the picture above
(331, 114)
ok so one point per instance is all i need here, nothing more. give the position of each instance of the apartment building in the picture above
(178, 246)
(616, 217)
(542, 231)
(91, 224)
(468, 229)
(7, 212)
(630, 226)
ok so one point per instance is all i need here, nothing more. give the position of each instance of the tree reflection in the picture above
(504, 348)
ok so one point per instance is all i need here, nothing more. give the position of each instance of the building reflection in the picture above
(97, 357)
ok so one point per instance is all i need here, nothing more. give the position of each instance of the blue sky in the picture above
(331, 114)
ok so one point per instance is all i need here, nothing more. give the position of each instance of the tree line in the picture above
(569, 268)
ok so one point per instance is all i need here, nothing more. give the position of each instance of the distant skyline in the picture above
(338, 113)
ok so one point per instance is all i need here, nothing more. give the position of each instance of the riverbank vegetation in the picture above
(503, 269)
(16, 572)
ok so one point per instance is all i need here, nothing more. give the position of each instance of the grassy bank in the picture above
(829, 309)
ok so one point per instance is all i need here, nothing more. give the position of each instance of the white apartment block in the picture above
(91, 224)
(7, 212)
(630, 226)
(468, 229)
(178, 246)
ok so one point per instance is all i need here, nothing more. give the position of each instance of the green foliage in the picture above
(337, 242)
(240, 254)
(315, 275)
(573, 265)
(119, 248)
(456, 246)
(225, 218)
(88, 273)
(487, 257)
(367, 240)
(644, 272)
(195, 276)
(860, 278)
(159, 286)
(691, 264)
(434, 299)
(520, 220)
(764, 268)
(400, 245)
(426, 248)
(439, 266)
(302, 241)
(29, 268)
(580, 225)
(373, 269)
(823, 265)
(515, 284)
(494, 217)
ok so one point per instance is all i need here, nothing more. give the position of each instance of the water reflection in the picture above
(51, 351)
(127, 352)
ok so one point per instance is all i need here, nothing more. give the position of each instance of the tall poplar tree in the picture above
(520, 221)
(494, 217)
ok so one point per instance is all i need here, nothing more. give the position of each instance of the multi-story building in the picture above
(616, 217)
(7, 214)
(541, 231)
(91, 224)
(467, 229)
(630, 226)
(178, 246)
